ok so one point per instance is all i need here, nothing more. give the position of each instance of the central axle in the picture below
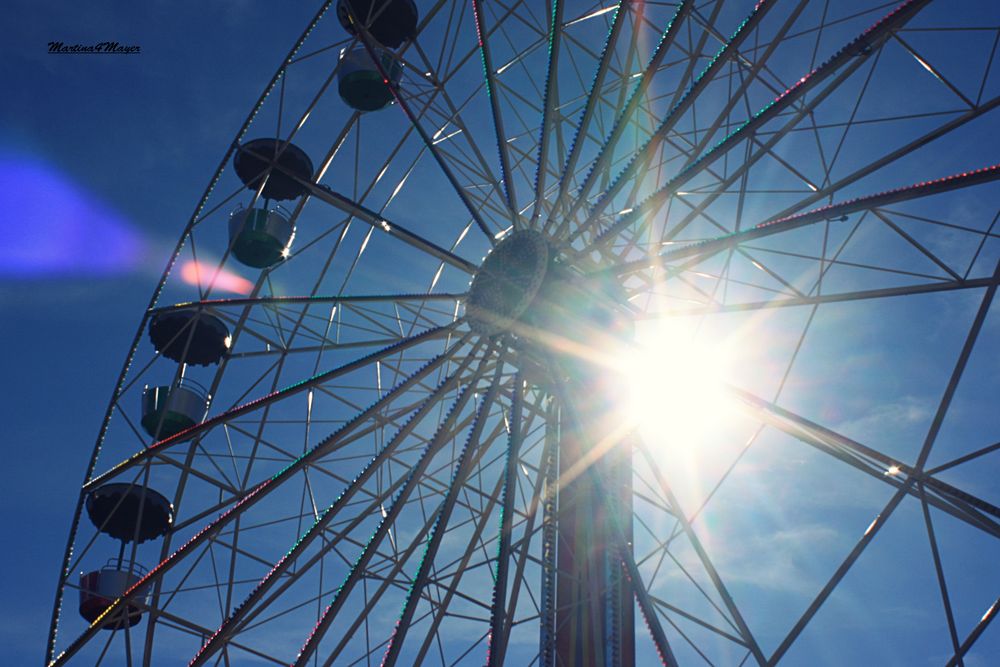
(565, 327)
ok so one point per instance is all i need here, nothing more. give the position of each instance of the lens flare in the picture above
(54, 227)
(204, 275)
(675, 385)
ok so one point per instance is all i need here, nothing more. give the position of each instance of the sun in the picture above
(675, 379)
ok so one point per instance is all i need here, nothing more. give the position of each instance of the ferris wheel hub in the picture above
(523, 288)
(507, 282)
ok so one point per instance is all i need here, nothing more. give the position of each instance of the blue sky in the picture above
(102, 160)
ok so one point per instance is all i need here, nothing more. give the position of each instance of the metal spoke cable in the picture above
(859, 46)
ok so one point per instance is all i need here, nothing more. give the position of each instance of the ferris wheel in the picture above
(581, 334)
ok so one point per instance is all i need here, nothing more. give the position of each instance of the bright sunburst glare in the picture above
(675, 379)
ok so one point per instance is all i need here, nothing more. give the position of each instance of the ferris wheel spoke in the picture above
(962, 505)
(593, 96)
(526, 158)
(956, 376)
(378, 222)
(463, 468)
(938, 568)
(965, 458)
(874, 166)
(766, 150)
(704, 249)
(461, 568)
(254, 496)
(758, 64)
(621, 122)
(646, 152)
(369, 45)
(916, 244)
(283, 325)
(308, 300)
(648, 611)
(491, 85)
(872, 38)
(267, 562)
(550, 105)
(194, 431)
(335, 535)
(876, 525)
(179, 623)
(498, 125)
(789, 296)
(538, 607)
(392, 578)
(469, 159)
(497, 638)
(242, 614)
(829, 297)
(735, 617)
(970, 640)
(443, 433)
